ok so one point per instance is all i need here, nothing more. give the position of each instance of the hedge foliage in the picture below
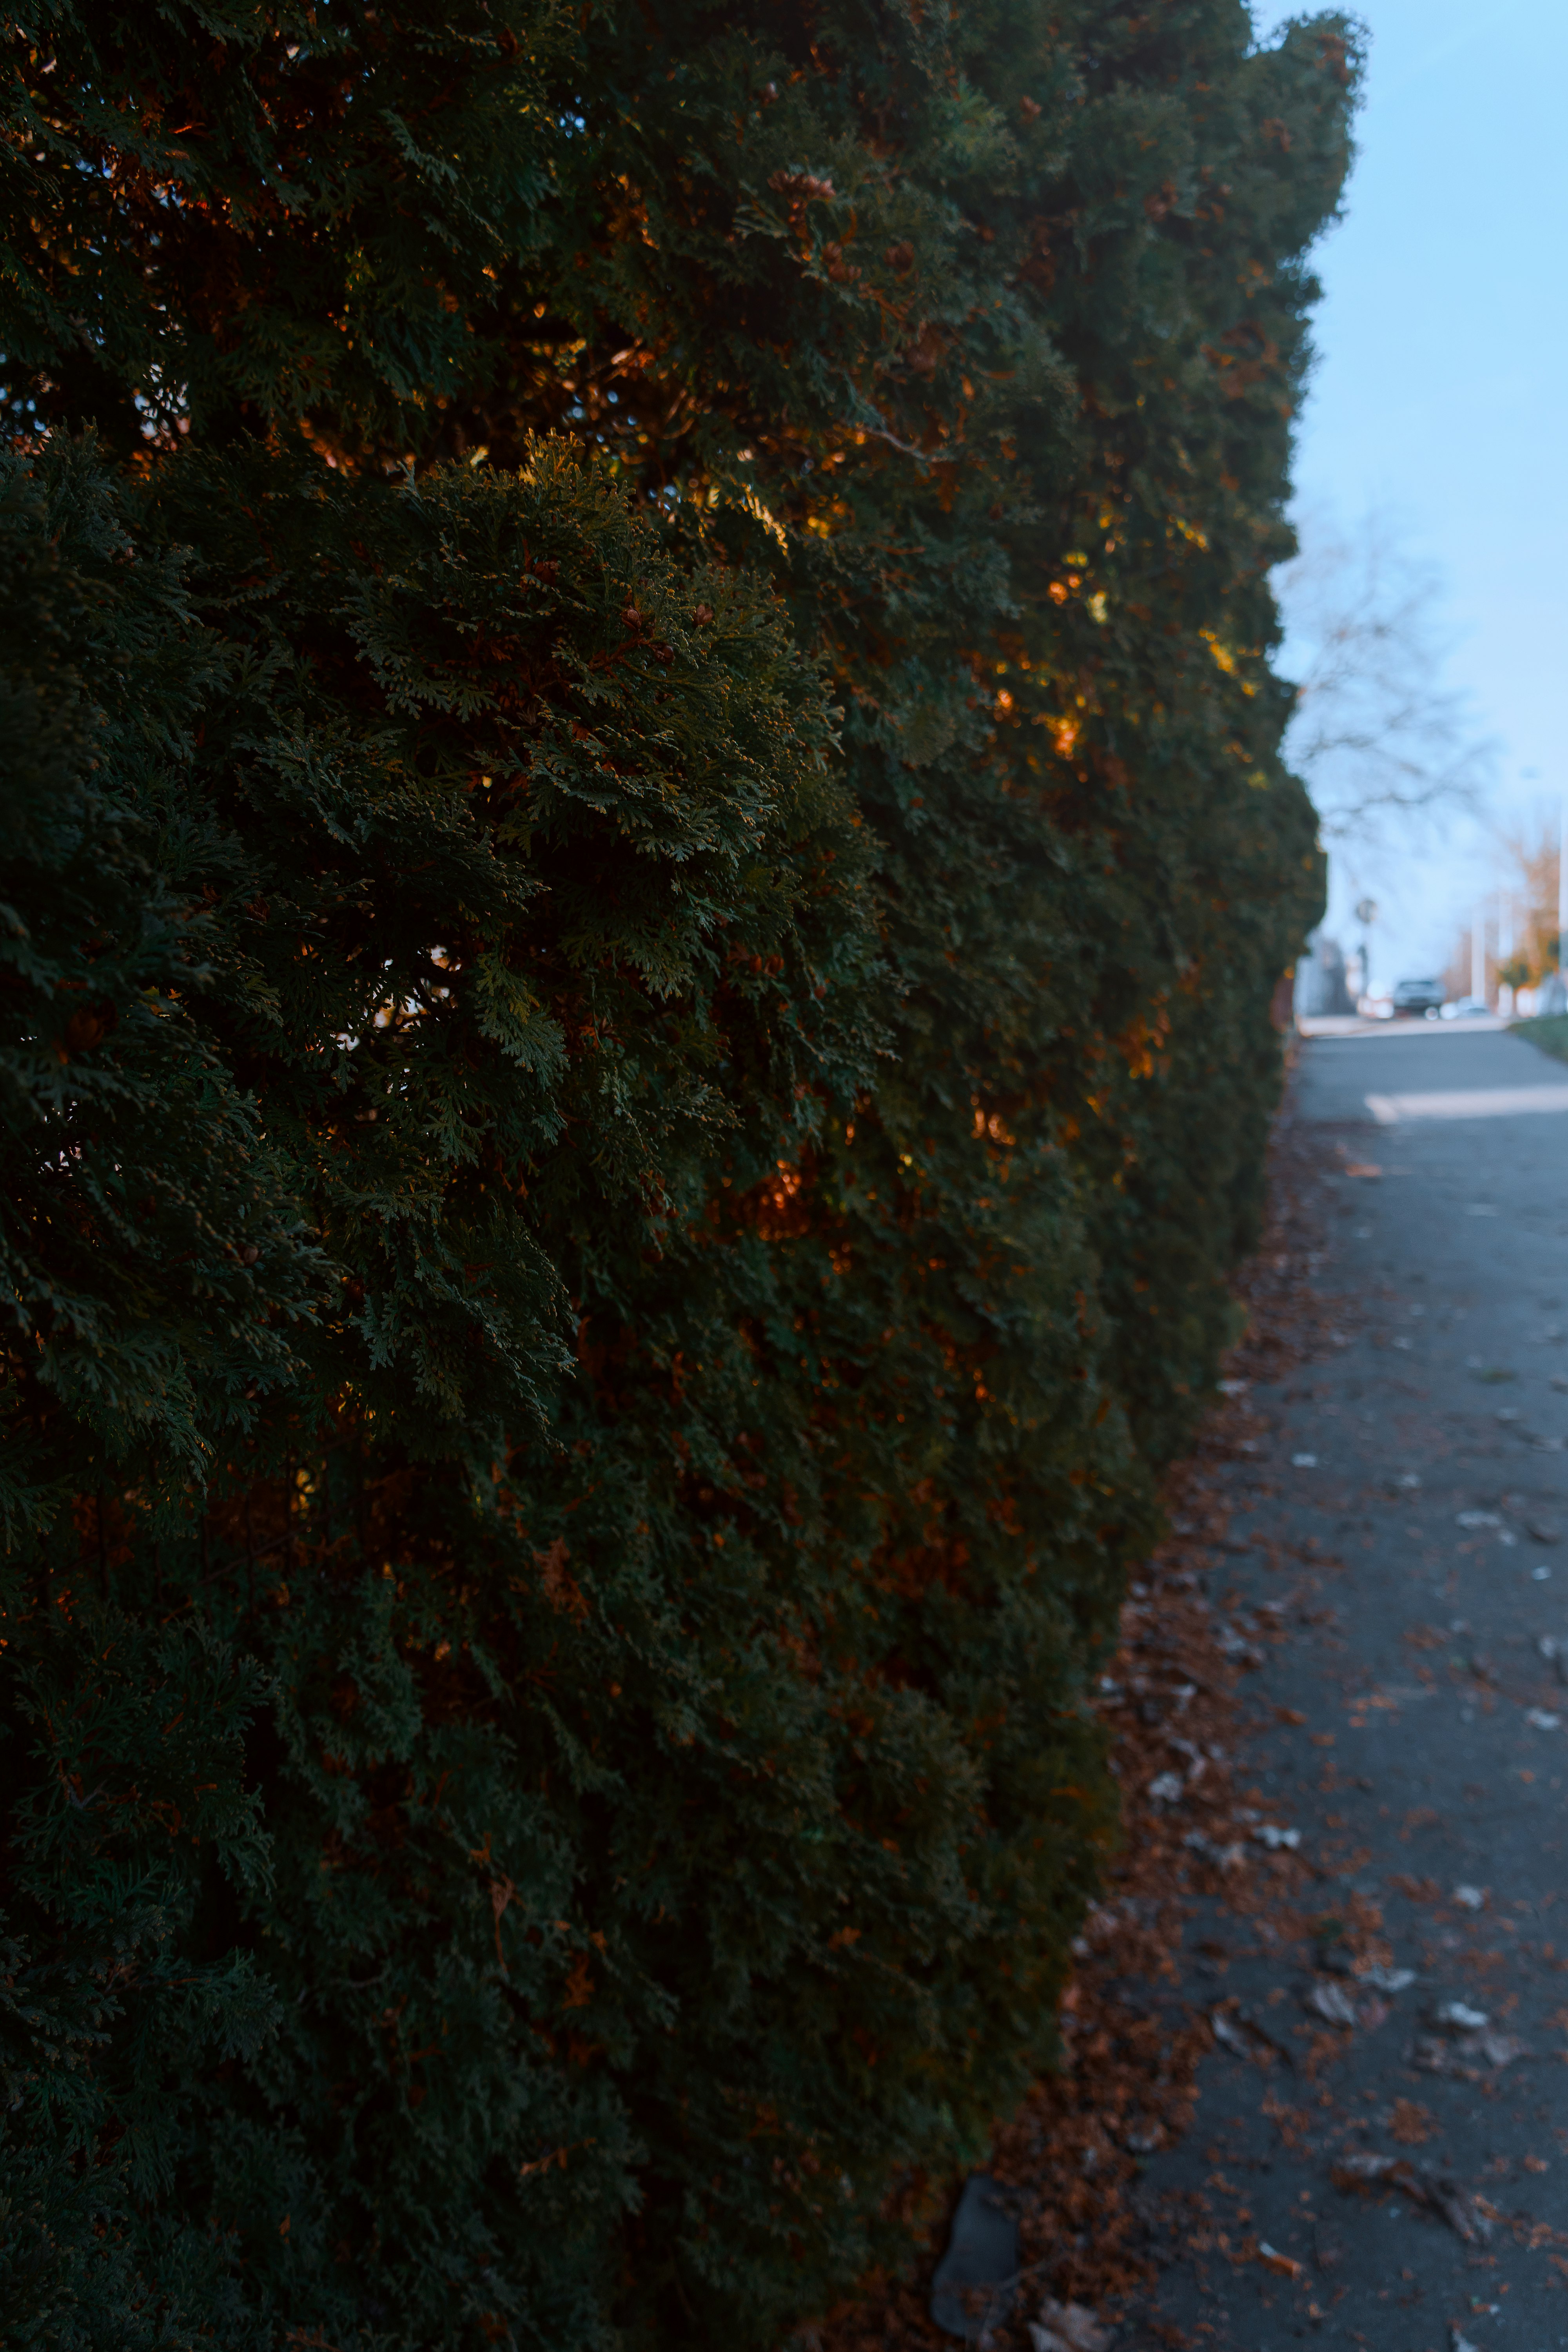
(645, 865)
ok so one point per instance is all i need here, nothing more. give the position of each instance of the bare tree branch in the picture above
(1377, 735)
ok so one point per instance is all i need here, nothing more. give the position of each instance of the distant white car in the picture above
(1465, 1008)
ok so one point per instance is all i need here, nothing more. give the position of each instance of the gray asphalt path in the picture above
(1407, 1503)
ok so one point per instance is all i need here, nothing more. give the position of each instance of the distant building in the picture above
(1320, 985)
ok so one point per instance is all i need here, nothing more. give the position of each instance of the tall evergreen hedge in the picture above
(645, 856)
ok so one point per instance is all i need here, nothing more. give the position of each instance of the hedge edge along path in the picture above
(632, 1078)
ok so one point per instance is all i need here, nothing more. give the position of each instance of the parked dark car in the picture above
(1418, 996)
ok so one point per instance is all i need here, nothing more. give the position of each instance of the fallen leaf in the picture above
(1467, 2055)
(1460, 2016)
(1229, 2035)
(1460, 2210)
(1443, 2195)
(1224, 1857)
(1072, 2324)
(1387, 1979)
(1243, 2034)
(1363, 2170)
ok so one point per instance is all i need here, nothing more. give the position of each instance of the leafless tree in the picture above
(1377, 735)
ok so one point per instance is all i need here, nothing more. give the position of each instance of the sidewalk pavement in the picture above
(1380, 2150)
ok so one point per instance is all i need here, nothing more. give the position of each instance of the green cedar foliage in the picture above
(1061, 260)
(212, 217)
(677, 1467)
(457, 830)
(521, 886)
(158, 1266)
(998, 332)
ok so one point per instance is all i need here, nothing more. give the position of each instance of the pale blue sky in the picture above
(1441, 391)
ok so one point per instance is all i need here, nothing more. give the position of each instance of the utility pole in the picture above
(1504, 946)
(1478, 953)
(1563, 886)
(1366, 915)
